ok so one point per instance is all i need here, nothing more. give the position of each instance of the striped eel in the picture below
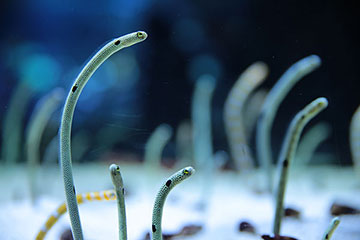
(250, 79)
(107, 195)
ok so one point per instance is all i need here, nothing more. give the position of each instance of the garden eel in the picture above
(355, 139)
(288, 151)
(175, 179)
(13, 122)
(202, 134)
(184, 144)
(311, 139)
(201, 120)
(42, 113)
(119, 191)
(67, 116)
(107, 195)
(333, 225)
(250, 79)
(252, 110)
(270, 107)
(155, 146)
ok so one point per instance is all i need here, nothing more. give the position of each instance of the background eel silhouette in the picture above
(270, 107)
(250, 79)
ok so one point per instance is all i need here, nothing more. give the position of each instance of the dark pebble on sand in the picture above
(66, 235)
(245, 226)
(340, 209)
(277, 237)
(291, 212)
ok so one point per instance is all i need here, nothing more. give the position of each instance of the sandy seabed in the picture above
(229, 198)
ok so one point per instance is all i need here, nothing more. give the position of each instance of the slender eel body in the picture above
(250, 79)
(175, 179)
(67, 116)
(184, 144)
(202, 133)
(270, 107)
(201, 120)
(310, 141)
(355, 140)
(45, 107)
(333, 225)
(156, 144)
(288, 151)
(108, 195)
(119, 191)
(13, 122)
(252, 110)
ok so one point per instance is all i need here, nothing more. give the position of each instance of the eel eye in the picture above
(186, 172)
(140, 35)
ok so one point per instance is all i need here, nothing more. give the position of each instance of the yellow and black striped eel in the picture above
(107, 195)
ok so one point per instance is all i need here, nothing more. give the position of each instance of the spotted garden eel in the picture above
(61, 210)
(175, 179)
(288, 151)
(251, 78)
(119, 191)
(270, 107)
(67, 116)
(355, 140)
(333, 225)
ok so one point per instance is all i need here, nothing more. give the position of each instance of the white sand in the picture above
(231, 198)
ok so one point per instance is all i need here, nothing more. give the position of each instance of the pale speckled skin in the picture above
(270, 107)
(288, 151)
(355, 139)
(249, 80)
(119, 191)
(170, 183)
(333, 225)
(68, 112)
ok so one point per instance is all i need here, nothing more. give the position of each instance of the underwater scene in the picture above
(194, 120)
